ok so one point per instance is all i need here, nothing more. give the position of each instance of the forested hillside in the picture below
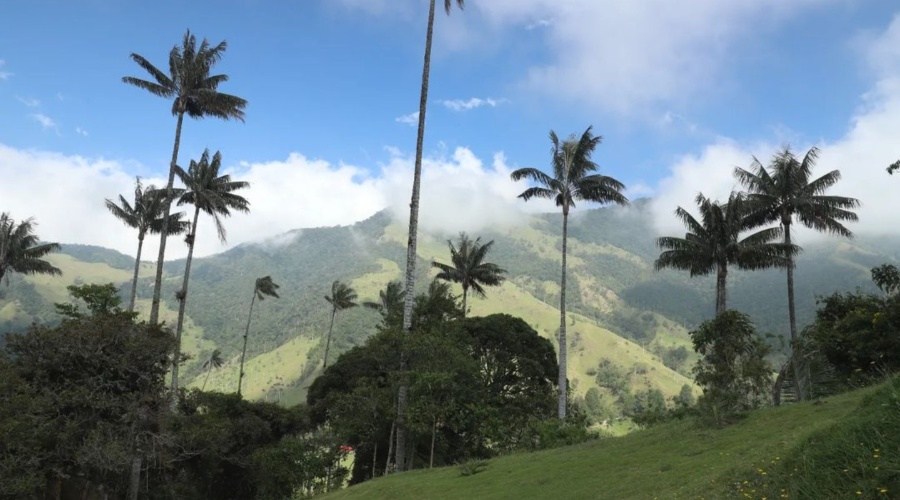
(628, 321)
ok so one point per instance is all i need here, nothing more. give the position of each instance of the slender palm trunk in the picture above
(206, 379)
(137, 267)
(465, 293)
(244, 350)
(796, 355)
(182, 304)
(433, 432)
(563, 355)
(387, 461)
(374, 459)
(328, 340)
(721, 290)
(157, 285)
(409, 299)
(134, 479)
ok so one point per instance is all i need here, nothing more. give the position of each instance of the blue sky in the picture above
(681, 91)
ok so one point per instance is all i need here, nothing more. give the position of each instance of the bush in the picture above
(732, 369)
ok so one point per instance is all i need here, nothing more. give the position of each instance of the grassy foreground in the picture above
(845, 446)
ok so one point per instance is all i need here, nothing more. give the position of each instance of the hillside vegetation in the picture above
(845, 446)
(623, 314)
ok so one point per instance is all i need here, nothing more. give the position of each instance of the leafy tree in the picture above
(732, 370)
(410, 277)
(785, 192)
(90, 396)
(516, 368)
(468, 267)
(21, 251)
(572, 179)
(261, 289)
(100, 300)
(856, 333)
(227, 447)
(214, 361)
(342, 297)
(215, 195)
(685, 397)
(714, 242)
(146, 215)
(195, 93)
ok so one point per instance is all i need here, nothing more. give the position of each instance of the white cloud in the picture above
(471, 103)
(80, 131)
(411, 119)
(46, 122)
(627, 56)
(458, 193)
(861, 155)
(4, 75)
(29, 101)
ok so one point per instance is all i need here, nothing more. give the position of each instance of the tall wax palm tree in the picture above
(714, 242)
(572, 179)
(215, 195)
(21, 251)
(214, 361)
(263, 288)
(145, 215)
(785, 192)
(342, 297)
(469, 268)
(195, 93)
(410, 278)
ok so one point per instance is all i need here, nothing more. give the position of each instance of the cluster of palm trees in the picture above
(783, 193)
(194, 92)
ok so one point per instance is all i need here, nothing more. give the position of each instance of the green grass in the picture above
(675, 460)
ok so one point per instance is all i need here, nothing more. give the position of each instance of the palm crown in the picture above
(194, 90)
(572, 178)
(146, 212)
(784, 191)
(21, 250)
(265, 287)
(714, 242)
(210, 192)
(468, 267)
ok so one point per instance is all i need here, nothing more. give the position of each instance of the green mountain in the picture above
(621, 309)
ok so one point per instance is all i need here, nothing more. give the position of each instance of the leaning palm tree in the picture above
(714, 242)
(264, 287)
(410, 278)
(469, 268)
(784, 192)
(571, 180)
(195, 93)
(21, 250)
(213, 194)
(214, 361)
(342, 297)
(145, 215)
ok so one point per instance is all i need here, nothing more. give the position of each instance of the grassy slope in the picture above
(674, 460)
